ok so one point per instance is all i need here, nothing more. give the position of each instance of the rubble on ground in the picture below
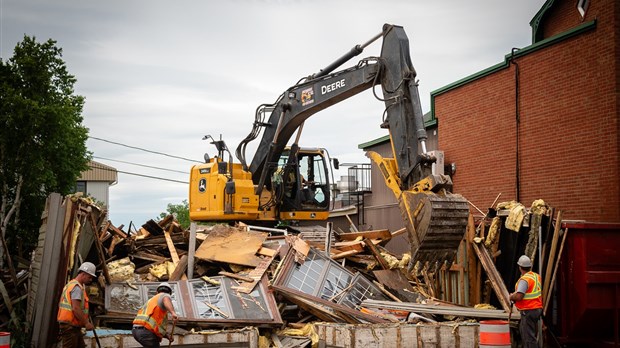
(274, 280)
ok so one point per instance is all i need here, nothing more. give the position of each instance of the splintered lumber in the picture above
(100, 252)
(351, 223)
(555, 269)
(236, 276)
(552, 255)
(346, 254)
(354, 245)
(153, 228)
(231, 245)
(148, 256)
(496, 280)
(158, 241)
(376, 254)
(384, 235)
(171, 248)
(352, 316)
(266, 252)
(255, 276)
(179, 270)
(440, 309)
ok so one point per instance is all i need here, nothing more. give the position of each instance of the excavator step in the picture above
(436, 224)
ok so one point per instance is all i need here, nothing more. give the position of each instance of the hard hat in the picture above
(164, 285)
(524, 261)
(88, 268)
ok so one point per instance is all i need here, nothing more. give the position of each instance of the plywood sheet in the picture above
(228, 244)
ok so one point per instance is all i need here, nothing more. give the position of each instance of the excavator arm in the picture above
(393, 70)
(435, 218)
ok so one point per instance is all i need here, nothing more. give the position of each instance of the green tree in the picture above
(180, 212)
(42, 139)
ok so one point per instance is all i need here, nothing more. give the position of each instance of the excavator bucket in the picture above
(436, 223)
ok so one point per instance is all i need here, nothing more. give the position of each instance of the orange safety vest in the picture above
(152, 317)
(65, 310)
(533, 296)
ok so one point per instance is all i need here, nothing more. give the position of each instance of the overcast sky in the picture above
(160, 75)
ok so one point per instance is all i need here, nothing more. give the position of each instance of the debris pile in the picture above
(272, 279)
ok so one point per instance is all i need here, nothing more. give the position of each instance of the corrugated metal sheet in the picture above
(99, 172)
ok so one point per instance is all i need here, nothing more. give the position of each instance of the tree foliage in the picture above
(42, 139)
(180, 212)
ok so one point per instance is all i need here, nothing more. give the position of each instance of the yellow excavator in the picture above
(289, 183)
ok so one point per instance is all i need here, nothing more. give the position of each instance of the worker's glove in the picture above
(170, 337)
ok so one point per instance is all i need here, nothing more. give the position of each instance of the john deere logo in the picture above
(202, 185)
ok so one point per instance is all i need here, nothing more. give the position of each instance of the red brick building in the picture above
(543, 124)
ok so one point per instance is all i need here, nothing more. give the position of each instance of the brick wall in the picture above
(569, 133)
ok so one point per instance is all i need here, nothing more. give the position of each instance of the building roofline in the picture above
(582, 28)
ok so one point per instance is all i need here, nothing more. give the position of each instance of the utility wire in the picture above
(140, 165)
(136, 174)
(145, 150)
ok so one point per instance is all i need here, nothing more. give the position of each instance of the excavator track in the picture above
(436, 223)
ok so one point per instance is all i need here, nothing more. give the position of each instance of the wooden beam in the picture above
(494, 277)
(474, 289)
(552, 256)
(171, 248)
(191, 250)
(179, 270)
(375, 252)
(376, 234)
(345, 254)
(351, 223)
(236, 276)
(555, 269)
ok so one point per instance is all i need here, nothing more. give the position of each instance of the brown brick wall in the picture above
(569, 144)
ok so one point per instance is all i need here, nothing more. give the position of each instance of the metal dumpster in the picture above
(588, 286)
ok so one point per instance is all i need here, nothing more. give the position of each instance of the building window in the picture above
(582, 7)
(80, 186)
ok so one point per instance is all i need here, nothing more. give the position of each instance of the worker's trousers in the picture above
(528, 326)
(145, 337)
(71, 337)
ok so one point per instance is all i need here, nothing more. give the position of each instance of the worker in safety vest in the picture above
(528, 300)
(149, 326)
(73, 308)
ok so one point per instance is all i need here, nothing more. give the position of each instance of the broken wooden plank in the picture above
(345, 254)
(236, 276)
(266, 252)
(555, 269)
(153, 228)
(440, 309)
(180, 268)
(552, 255)
(149, 257)
(230, 245)
(494, 277)
(371, 246)
(256, 274)
(171, 248)
(384, 235)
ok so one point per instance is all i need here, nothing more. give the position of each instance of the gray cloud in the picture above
(161, 74)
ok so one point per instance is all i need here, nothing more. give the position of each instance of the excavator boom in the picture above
(435, 218)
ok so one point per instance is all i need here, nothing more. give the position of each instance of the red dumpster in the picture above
(588, 286)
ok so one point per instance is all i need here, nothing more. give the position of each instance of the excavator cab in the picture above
(301, 182)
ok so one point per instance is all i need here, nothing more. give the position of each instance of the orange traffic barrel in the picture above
(494, 333)
(5, 339)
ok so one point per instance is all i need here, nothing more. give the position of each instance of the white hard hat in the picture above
(164, 285)
(88, 268)
(524, 261)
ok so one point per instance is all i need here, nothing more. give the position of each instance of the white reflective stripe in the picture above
(497, 328)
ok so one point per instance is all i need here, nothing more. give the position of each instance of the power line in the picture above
(141, 175)
(145, 150)
(140, 165)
